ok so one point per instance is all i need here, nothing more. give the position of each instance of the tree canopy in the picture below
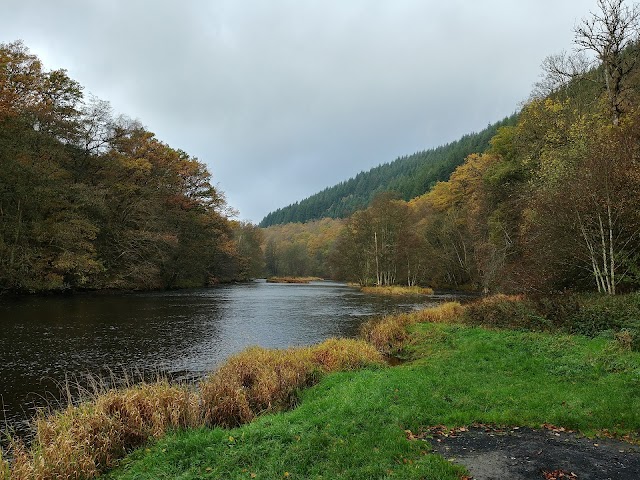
(89, 200)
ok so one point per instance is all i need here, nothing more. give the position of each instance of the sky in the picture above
(282, 98)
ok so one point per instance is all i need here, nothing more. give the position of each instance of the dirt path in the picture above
(525, 454)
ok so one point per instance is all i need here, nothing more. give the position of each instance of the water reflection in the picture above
(45, 339)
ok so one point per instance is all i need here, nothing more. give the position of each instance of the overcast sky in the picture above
(282, 98)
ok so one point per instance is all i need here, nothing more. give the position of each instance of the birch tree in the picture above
(612, 35)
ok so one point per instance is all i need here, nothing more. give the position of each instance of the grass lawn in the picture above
(352, 425)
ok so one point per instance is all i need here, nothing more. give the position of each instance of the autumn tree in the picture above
(352, 256)
(300, 249)
(92, 201)
(612, 35)
(248, 239)
(606, 53)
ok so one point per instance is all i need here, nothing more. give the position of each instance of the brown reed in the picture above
(87, 438)
(389, 334)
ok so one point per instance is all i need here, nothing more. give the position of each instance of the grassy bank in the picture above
(503, 360)
(397, 290)
(354, 424)
(89, 438)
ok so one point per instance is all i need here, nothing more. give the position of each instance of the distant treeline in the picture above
(89, 200)
(408, 176)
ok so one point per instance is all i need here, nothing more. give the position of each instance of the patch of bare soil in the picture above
(525, 454)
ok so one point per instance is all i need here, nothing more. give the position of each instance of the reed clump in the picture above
(90, 437)
(4, 468)
(253, 382)
(390, 334)
(397, 290)
(292, 279)
(84, 440)
(259, 380)
(341, 354)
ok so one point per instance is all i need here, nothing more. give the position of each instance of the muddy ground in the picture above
(525, 454)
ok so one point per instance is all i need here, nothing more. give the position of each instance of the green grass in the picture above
(352, 424)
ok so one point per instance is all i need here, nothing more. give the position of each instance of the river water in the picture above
(45, 341)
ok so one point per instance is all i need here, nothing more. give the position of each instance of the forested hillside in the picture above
(91, 200)
(551, 206)
(408, 176)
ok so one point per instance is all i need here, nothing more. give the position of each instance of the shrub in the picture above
(599, 313)
(591, 315)
(628, 339)
(505, 311)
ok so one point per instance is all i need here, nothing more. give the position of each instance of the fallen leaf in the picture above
(559, 475)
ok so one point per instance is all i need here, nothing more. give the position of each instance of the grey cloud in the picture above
(284, 98)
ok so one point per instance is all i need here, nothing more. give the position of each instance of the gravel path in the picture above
(524, 454)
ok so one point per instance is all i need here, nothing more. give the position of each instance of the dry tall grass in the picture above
(397, 290)
(84, 440)
(259, 380)
(390, 334)
(340, 354)
(253, 382)
(4, 468)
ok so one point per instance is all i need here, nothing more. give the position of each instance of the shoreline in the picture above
(410, 337)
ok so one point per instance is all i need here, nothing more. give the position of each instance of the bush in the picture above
(591, 315)
(628, 339)
(505, 311)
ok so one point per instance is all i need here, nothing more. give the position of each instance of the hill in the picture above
(409, 176)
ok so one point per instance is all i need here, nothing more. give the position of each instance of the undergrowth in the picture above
(589, 315)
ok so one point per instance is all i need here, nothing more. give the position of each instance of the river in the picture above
(45, 341)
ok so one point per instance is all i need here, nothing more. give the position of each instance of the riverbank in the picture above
(90, 437)
(371, 423)
(375, 423)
